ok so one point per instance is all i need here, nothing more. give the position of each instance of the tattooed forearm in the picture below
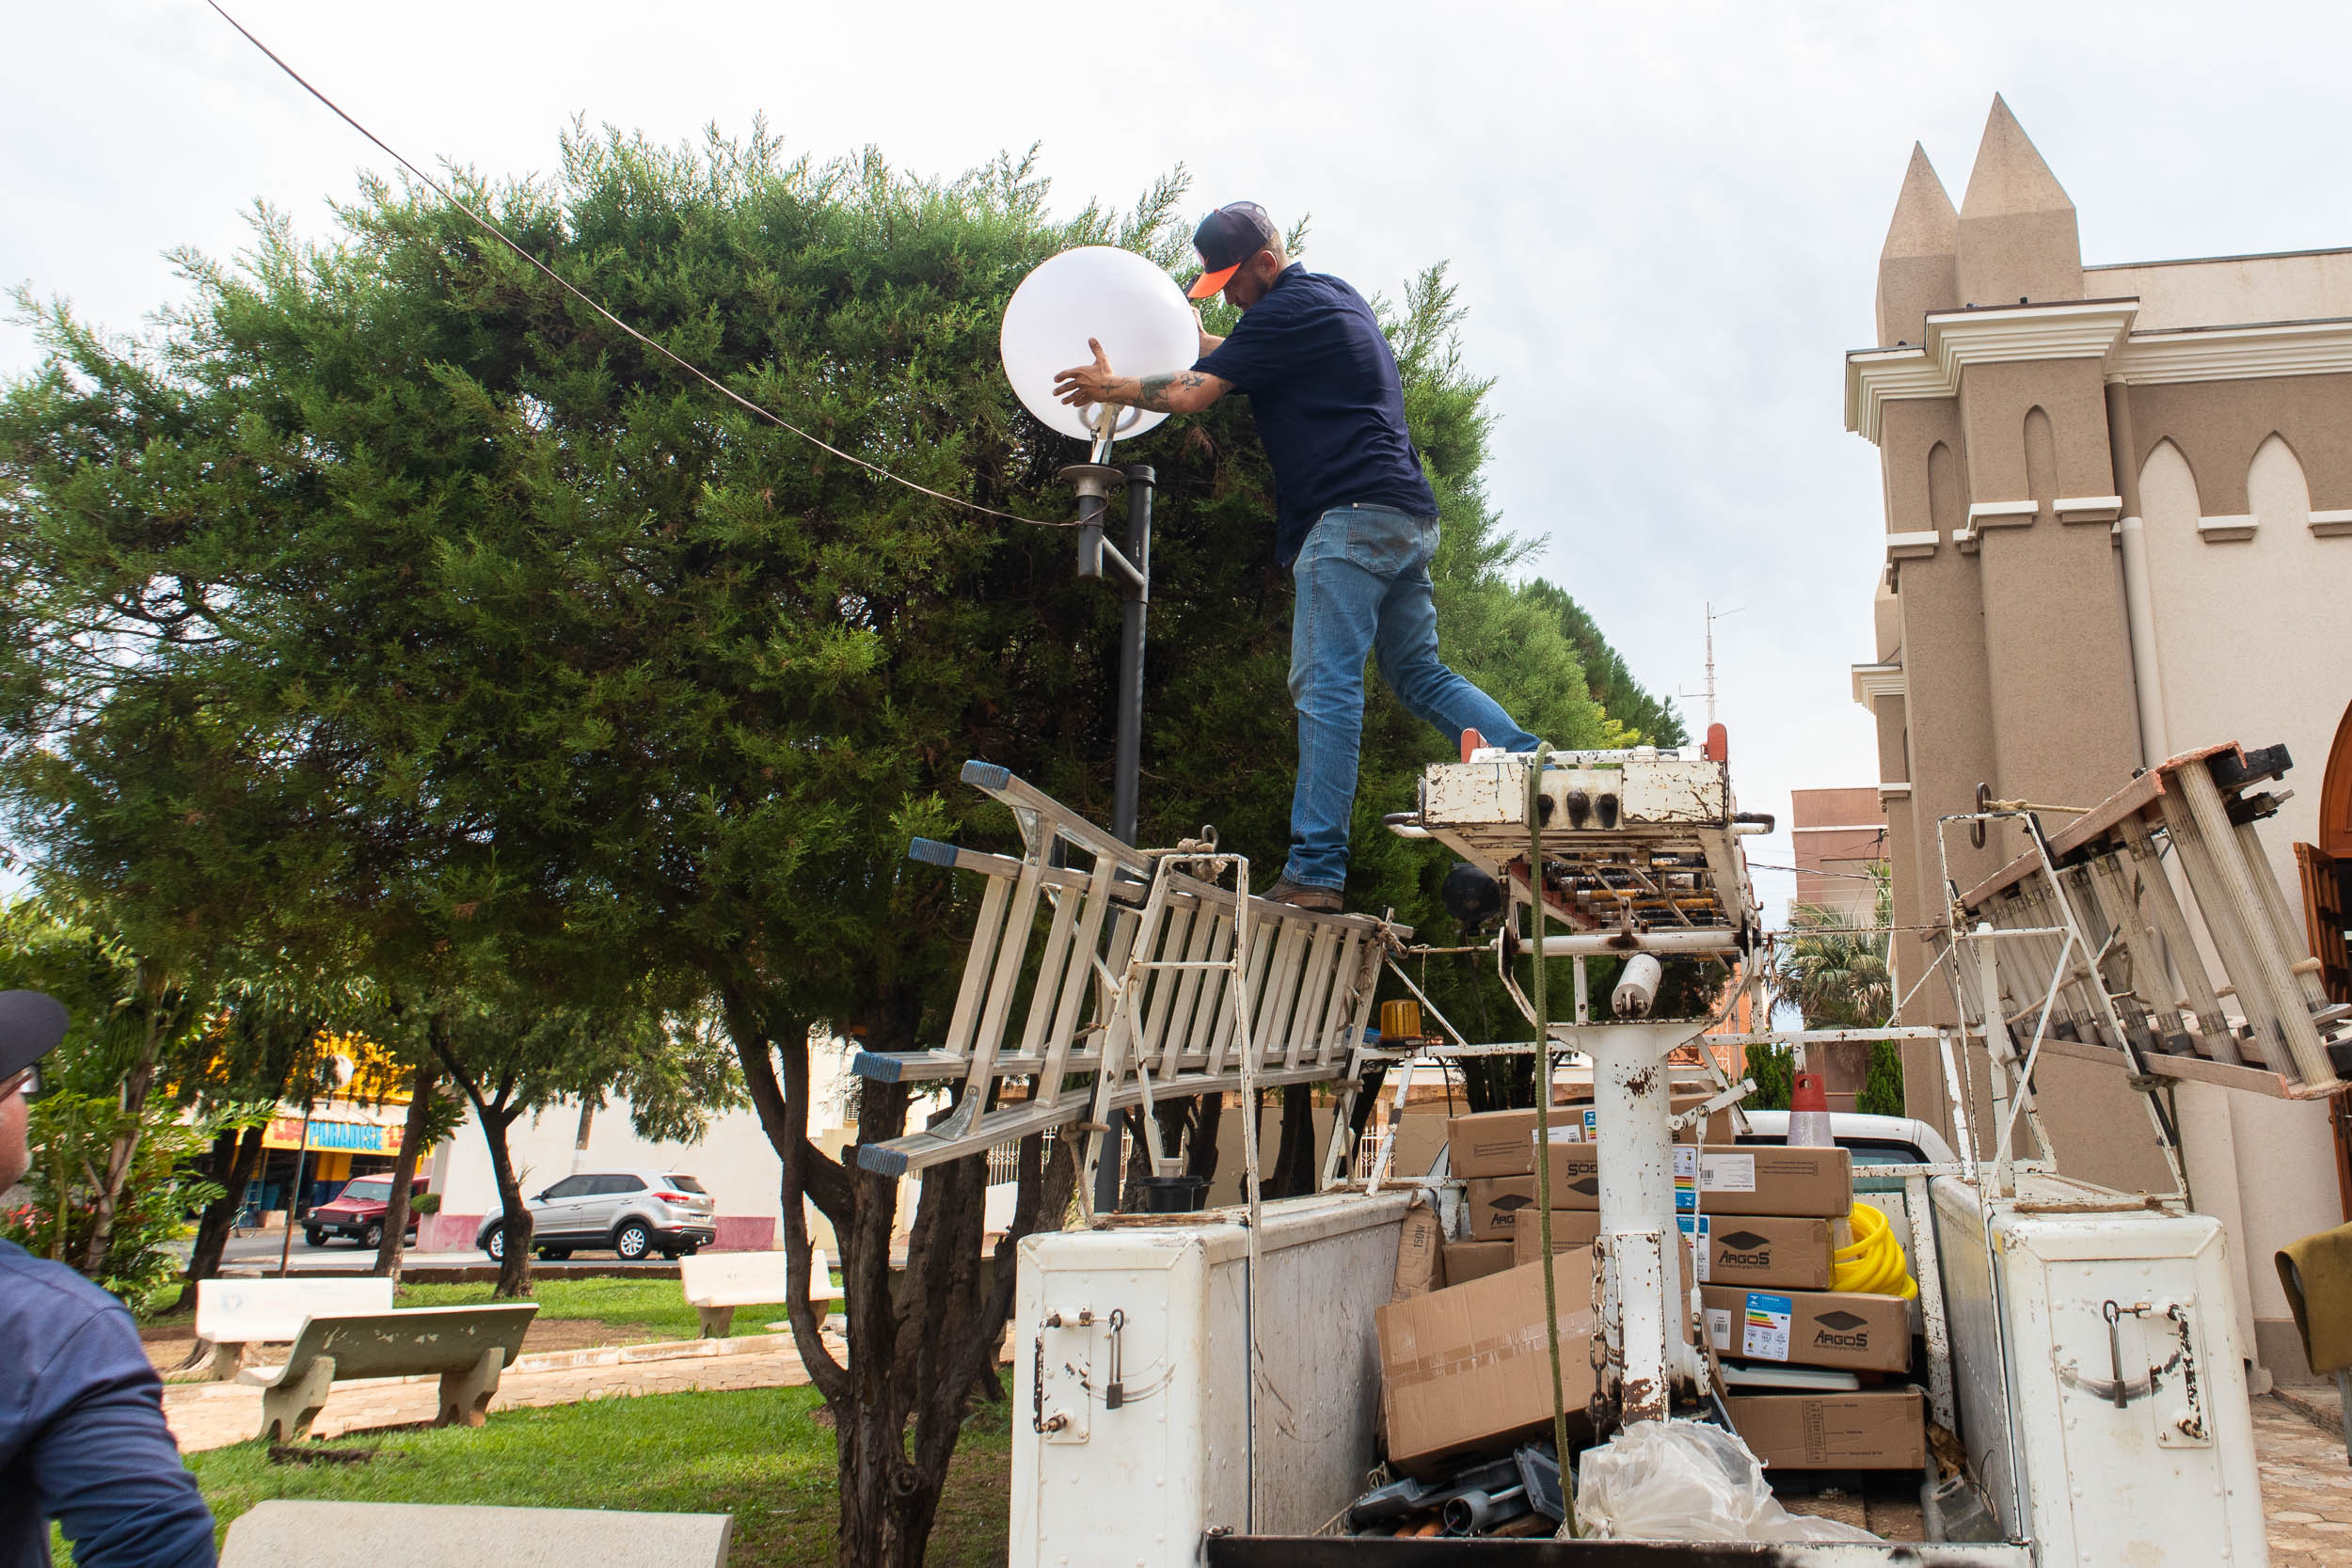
(1153, 390)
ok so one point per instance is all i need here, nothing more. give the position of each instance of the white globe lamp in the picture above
(1118, 299)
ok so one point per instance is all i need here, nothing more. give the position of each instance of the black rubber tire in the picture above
(494, 1244)
(373, 1236)
(633, 1242)
(685, 1249)
(313, 1236)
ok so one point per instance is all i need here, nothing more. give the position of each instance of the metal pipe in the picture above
(1637, 987)
(1112, 566)
(1643, 1281)
(1618, 944)
(1137, 561)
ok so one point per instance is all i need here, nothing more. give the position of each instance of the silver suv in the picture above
(635, 1212)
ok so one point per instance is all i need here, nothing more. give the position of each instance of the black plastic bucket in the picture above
(1173, 1194)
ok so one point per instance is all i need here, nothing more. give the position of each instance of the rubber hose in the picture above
(1874, 1262)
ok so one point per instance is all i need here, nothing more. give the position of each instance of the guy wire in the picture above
(689, 367)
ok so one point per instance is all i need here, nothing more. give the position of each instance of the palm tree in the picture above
(1833, 968)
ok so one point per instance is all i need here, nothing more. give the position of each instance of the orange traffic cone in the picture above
(1808, 1113)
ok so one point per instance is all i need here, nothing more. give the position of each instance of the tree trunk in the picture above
(1295, 1161)
(497, 1113)
(514, 1215)
(387, 1252)
(219, 1218)
(916, 1352)
(1208, 1110)
(135, 1087)
(1359, 1115)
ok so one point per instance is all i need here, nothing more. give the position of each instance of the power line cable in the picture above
(688, 366)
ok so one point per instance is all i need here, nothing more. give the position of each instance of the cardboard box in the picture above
(1726, 1179)
(1495, 1201)
(1419, 1237)
(1492, 1143)
(1755, 1249)
(1809, 1328)
(1580, 1123)
(1467, 1369)
(1882, 1430)
(1570, 1228)
(1469, 1260)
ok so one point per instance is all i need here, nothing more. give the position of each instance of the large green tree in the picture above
(390, 592)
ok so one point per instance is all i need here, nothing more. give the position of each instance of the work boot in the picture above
(1323, 900)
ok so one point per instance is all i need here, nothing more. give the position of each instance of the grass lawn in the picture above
(754, 1453)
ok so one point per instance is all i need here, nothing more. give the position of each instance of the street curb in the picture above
(474, 1274)
(2325, 1416)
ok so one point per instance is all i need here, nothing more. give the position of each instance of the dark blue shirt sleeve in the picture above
(1257, 354)
(103, 1461)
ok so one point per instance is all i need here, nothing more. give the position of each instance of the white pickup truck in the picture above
(1144, 1435)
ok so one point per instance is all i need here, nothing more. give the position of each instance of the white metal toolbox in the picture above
(2125, 1439)
(1134, 1412)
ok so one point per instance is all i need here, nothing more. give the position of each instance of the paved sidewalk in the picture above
(2307, 1488)
(214, 1415)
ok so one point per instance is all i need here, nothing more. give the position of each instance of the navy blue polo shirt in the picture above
(1323, 386)
(82, 1433)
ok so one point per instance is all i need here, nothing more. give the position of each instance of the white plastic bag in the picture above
(1683, 1480)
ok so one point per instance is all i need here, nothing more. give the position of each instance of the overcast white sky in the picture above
(1664, 220)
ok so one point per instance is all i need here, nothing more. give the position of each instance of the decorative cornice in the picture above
(2085, 329)
(2072, 329)
(1985, 514)
(1910, 546)
(2088, 509)
(1874, 681)
(2213, 530)
(2235, 352)
(2328, 525)
(1892, 791)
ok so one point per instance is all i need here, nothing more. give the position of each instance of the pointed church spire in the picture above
(2017, 233)
(1919, 269)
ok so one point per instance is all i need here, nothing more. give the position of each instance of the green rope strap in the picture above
(1543, 1135)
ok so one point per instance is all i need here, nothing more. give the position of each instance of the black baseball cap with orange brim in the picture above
(1226, 239)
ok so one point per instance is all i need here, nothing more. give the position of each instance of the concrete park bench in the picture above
(282, 1534)
(716, 1283)
(467, 1345)
(231, 1314)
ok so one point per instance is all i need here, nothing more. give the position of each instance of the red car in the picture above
(357, 1211)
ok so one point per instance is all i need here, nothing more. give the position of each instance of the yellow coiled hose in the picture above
(1874, 1262)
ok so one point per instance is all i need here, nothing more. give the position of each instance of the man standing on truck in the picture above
(1356, 521)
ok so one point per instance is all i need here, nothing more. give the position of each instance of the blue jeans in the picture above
(1363, 587)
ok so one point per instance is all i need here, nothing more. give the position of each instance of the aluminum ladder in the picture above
(2132, 925)
(1135, 978)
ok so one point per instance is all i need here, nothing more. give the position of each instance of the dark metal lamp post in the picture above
(1130, 568)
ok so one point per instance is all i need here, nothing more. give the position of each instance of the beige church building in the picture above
(2118, 528)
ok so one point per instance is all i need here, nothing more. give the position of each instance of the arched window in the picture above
(2335, 794)
(2327, 872)
(1947, 511)
(2168, 489)
(2041, 460)
(2275, 490)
